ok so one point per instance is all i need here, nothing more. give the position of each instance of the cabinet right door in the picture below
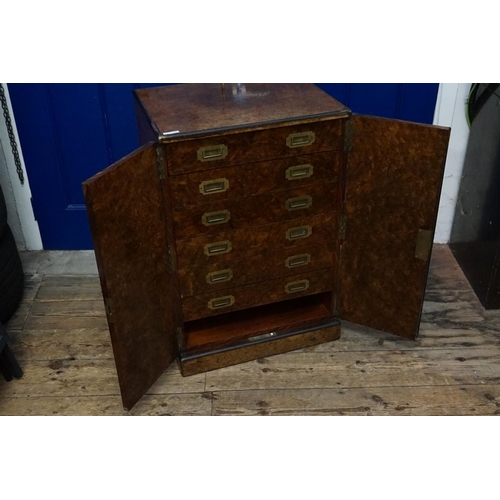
(393, 184)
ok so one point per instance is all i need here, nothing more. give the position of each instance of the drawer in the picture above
(229, 272)
(233, 299)
(254, 178)
(234, 148)
(256, 210)
(306, 231)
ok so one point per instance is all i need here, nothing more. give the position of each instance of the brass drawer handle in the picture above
(221, 302)
(213, 218)
(299, 172)
(219, 276)
(297, 286)
(298, 260)
(269, 335)
(298, 203)
(296, 233)
(214, 186)
(210, 153)
(218, 248)
(300, 139)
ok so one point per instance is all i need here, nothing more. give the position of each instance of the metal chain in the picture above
(12, 137)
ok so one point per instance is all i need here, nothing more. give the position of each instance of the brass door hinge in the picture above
(424, 244)
(335, 303)
(342, 226)
(178, 334)
(348, 136)
(107, 306)
(170, 259)
(160, 161)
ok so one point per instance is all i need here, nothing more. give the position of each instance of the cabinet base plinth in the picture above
(191, 365)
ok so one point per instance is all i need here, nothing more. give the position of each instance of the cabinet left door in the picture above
(127, 220)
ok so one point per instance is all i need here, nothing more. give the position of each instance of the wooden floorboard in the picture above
(462, 400)
(60, 337)
(161, 405)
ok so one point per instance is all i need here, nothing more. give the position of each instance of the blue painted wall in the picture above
(68, 132)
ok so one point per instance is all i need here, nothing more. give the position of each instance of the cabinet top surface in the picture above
(198, 108)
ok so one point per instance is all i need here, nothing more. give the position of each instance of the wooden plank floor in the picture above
(60, 337)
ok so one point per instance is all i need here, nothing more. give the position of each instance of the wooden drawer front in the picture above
(228, 272)
(233, 299)
(256, 210)
(254, 178)
(247, 147)
(190, 365)
(209, 249)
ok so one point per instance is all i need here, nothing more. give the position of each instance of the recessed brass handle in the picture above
(298, 203)
(221, 302)
(298, 260)
(262, 337)
(299, 172)
(296, 233)
(213, 218)
(218, 248)
(300, 139)
(219, 276)
(214, 186)
(297, 286)
(210, 153)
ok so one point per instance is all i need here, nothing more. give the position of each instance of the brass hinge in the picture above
(342, 226)
(160, 162)
(348, 136)
(424, 244)
(170, 259)
(335, 303)
(178, 334)
(107, 306)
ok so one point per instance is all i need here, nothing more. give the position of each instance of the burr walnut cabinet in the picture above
(252, 220)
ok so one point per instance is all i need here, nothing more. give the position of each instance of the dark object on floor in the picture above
(9, 367)
(475, 236)
(11, 276)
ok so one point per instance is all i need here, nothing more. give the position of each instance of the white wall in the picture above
(21, 218)
(450, 112)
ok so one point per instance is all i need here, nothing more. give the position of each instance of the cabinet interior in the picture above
(226, 329)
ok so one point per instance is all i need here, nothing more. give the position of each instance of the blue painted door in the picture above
(68, 132)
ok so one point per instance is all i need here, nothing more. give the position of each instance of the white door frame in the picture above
(450, 112)
(20, 216)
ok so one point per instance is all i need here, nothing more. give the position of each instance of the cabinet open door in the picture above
(127, 218)
(392, 191)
